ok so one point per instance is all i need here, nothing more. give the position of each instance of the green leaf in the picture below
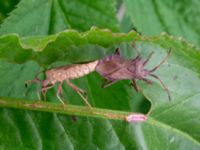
(64, 46)
(178, 18)
(6, 6)
(172, 125)
(51, 16)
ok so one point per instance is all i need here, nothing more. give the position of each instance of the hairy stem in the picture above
(68, 109)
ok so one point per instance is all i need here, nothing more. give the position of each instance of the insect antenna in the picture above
(36, 80)
(117, 51)
(148, 58)
(137, 51)
(32, 81)
(155, 68)
(164, 86)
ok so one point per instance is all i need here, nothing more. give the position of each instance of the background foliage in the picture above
(32, 38)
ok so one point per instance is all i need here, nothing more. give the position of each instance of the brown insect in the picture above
(114, 68)
(65, 73)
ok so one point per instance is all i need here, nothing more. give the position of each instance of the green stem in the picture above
(64, 109)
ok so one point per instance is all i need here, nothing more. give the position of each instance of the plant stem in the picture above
(64, 109)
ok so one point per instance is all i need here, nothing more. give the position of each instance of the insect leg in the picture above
(147, 81)
(148, 58)
(38, 94)
(75, 88)
(85, 99)
(59, 92)
(107, 83)
(155, 68)
(79, 91)
(164, 86)
(134, 84)
(43, 90)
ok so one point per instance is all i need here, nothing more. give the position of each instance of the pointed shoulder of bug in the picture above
(110, 63)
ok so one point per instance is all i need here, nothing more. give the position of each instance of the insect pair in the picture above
(113, 68)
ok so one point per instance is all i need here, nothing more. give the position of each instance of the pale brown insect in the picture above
(65, 73)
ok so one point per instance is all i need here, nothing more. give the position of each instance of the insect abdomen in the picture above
(79, 70)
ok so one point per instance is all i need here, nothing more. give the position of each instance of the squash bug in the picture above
(114, 68)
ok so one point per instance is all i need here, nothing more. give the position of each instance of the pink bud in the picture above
(136, 118)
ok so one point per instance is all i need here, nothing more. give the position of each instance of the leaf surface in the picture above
(179, 18)
(51, 16)
(173, 125)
